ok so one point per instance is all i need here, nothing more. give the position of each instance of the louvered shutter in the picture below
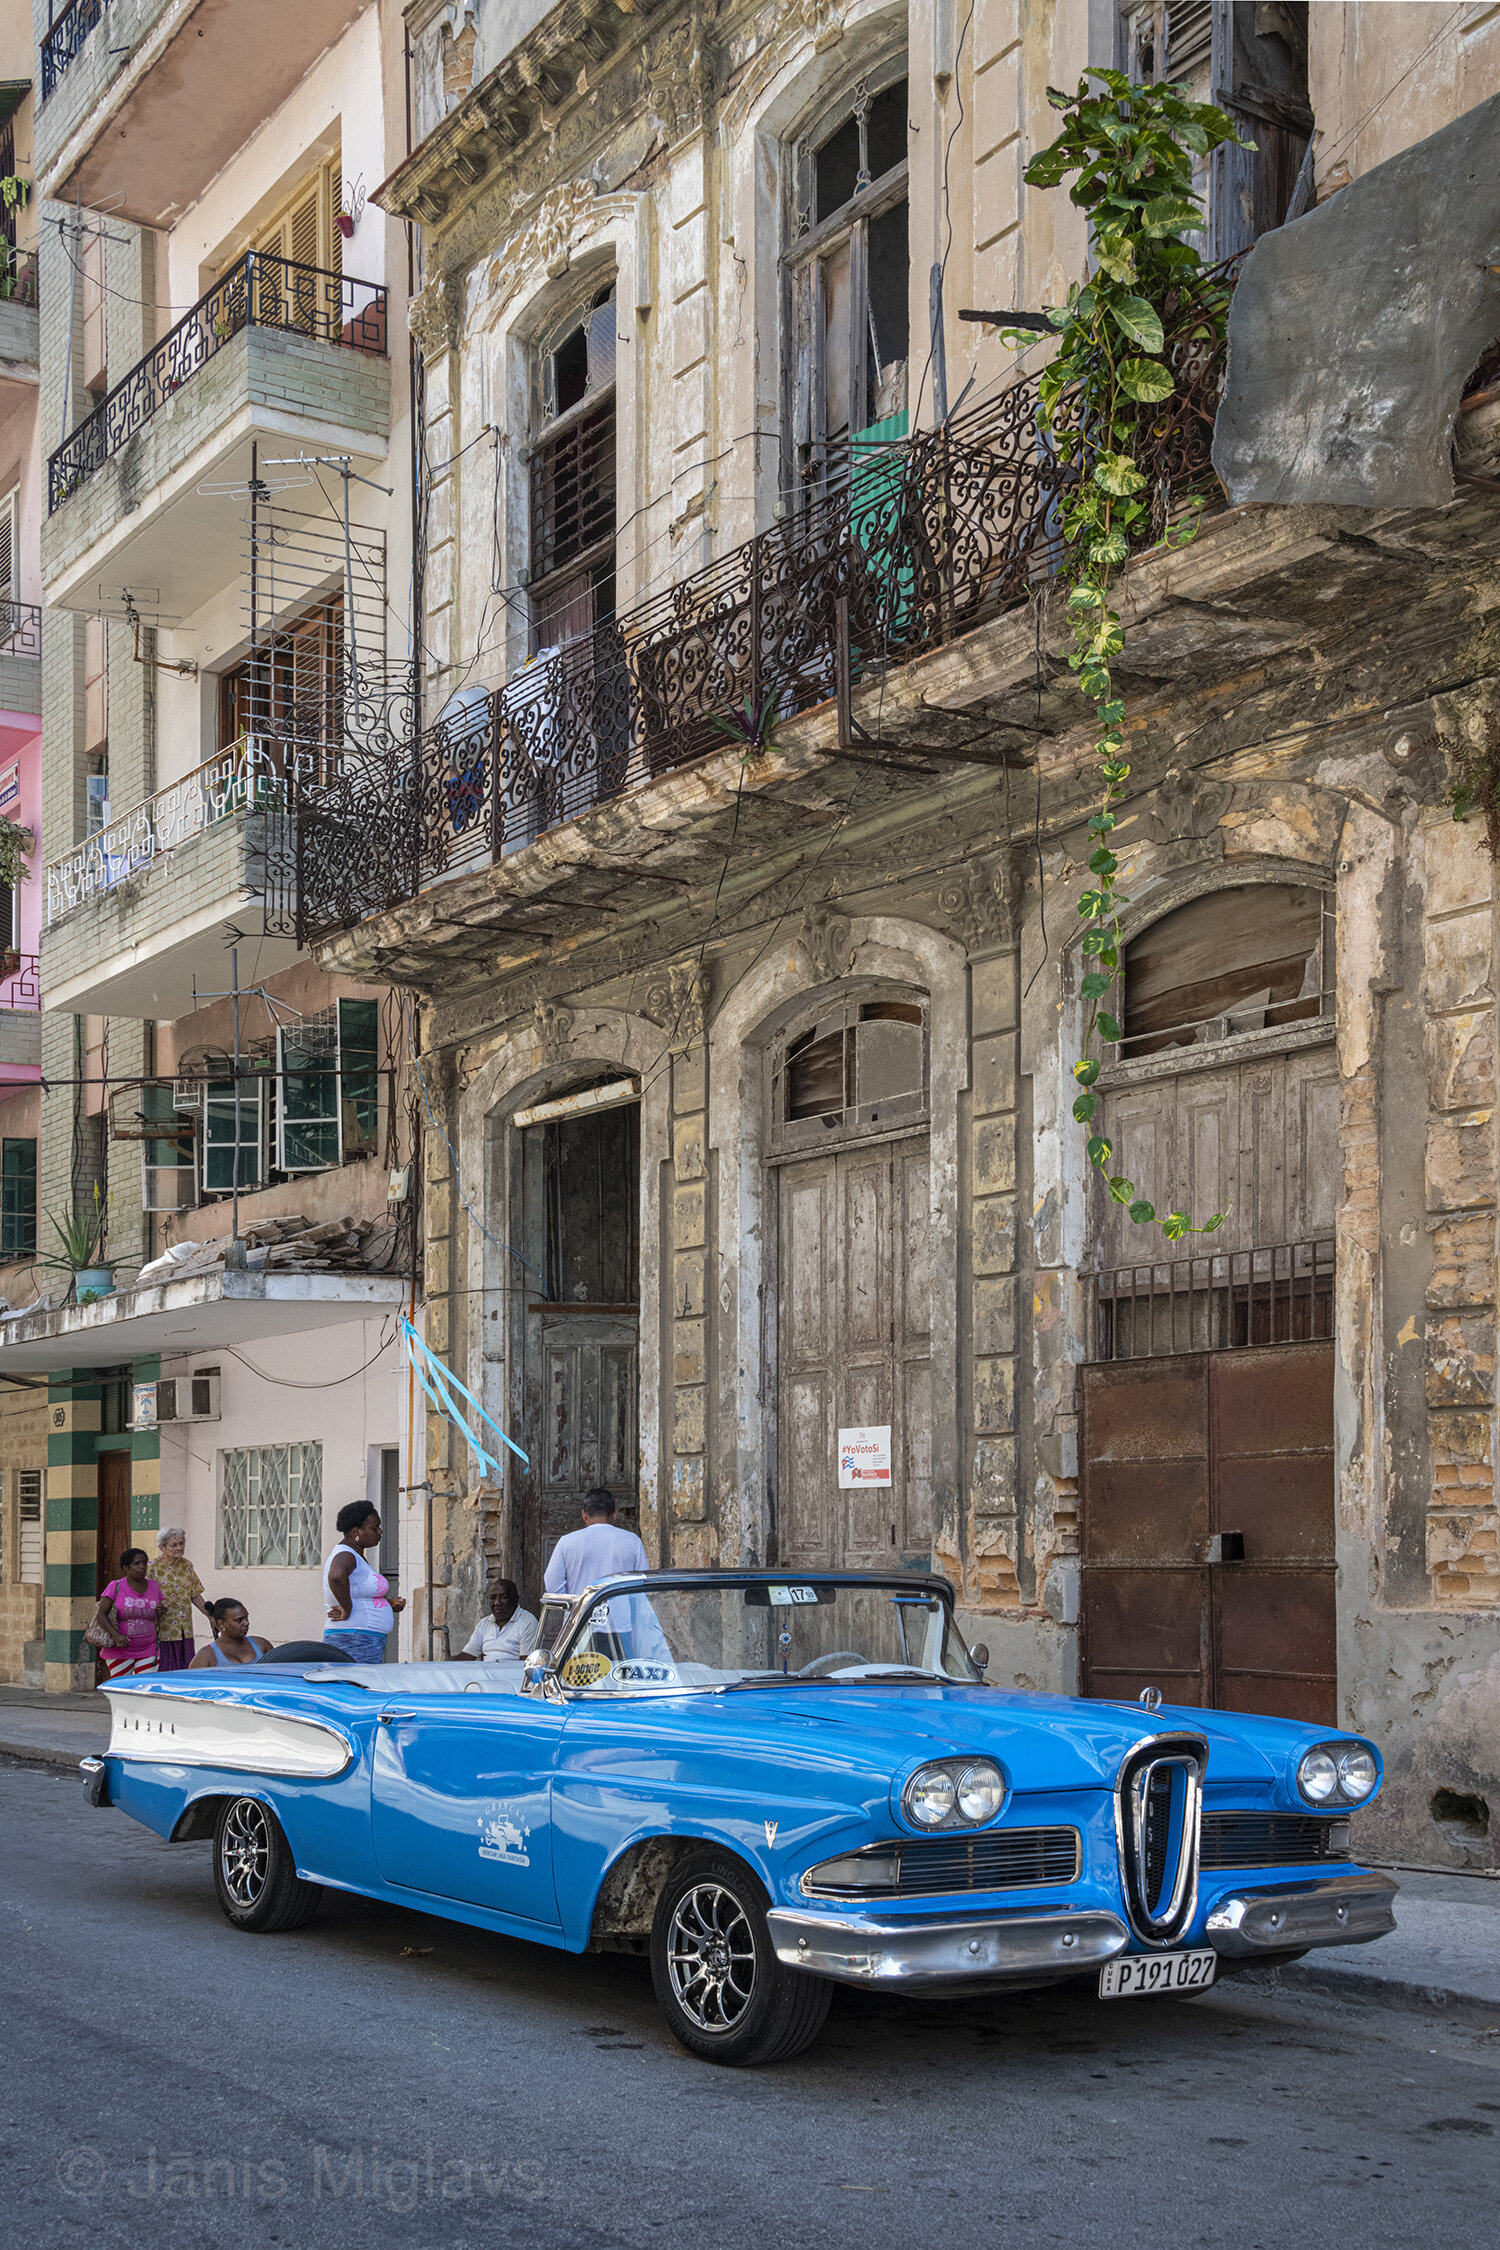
(7, 564)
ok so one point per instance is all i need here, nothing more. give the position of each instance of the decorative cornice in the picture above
(520, 96)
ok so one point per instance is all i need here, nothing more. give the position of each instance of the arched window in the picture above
(572, 583)
(858, 1067)
(848, 275)
(1252, 959)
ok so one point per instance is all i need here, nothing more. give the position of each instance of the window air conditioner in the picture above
(177, 1398)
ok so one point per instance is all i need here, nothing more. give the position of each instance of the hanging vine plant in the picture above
(1129, 151)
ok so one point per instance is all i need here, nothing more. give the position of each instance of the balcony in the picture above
(142, 100)
(20, 1012)
(152, 489)
(20, 661)
(137, 912)
(18, 317)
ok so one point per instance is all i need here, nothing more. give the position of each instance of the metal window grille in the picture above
(1220, 1301)
(271, 1512)
(29, 1489)
(573, 492)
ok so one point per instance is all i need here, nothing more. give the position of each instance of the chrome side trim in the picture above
(1343, 1910)
(908, 1955)
(234, 1733)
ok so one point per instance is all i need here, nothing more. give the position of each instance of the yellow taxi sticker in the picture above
(585, 1670)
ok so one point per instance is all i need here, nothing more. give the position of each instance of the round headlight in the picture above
(1318, 1777)
(1357, 1774)
(981, 1792)
(930, 1797)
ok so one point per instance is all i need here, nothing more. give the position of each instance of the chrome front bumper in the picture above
(1342, 1910)
(909, 1955)
(95, 1781)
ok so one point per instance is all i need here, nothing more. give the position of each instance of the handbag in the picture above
(95, 1634)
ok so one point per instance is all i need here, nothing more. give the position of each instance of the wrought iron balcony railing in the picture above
(18, 284)
(66, 37)
(259, 291)
(915, 544)
(250, 776)
(20, 629)
(20, 981)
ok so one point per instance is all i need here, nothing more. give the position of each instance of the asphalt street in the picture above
(384, 2077)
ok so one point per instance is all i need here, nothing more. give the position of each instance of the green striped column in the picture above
(71, 1590)
(145, 1466)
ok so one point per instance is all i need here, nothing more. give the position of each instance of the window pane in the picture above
(836, 168)
(222, 1117)
(18, 1198)
(885, 130)
(309, 1098)
(815, 1077)
(890, 295)
(271, 1512)
(359, 1073)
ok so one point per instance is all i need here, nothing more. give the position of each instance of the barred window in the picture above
(18, 1198)
(30, 1493)
(572, 582)
(271, 1507)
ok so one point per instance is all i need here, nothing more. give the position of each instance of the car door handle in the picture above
(389, 1718)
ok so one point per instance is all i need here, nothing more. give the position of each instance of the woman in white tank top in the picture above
(361, 1607)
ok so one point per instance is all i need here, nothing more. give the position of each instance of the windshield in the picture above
(765, 1636)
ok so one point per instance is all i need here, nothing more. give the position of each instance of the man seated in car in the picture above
(506, 1635)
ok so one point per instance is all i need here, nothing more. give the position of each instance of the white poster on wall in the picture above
(864, 1456)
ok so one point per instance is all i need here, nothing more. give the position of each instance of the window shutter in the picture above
(302, 230)
(7, 553)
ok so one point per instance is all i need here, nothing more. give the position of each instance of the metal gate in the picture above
(1208, 1529)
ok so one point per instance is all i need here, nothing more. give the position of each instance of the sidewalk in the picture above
(1443, 1956)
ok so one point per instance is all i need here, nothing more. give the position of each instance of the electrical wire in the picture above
(330, 1383)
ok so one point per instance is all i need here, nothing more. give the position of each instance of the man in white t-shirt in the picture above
(506, 1635)
(600, 1550)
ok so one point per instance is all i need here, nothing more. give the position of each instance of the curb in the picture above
(61, 1762)
(1360, 1985)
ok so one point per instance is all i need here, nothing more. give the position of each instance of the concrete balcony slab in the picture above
(167, 510)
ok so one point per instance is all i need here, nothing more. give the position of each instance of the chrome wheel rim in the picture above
(711, 1957)
(245, 1852)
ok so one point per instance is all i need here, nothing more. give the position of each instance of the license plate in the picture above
(1137, 1974)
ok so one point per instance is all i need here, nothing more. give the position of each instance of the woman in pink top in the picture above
(129, 1608)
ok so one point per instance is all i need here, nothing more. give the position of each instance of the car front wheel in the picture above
(718, 1982)
(254, 1872)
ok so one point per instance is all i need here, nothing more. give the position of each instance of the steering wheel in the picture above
(822, 1664)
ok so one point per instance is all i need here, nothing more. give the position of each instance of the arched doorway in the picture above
(848, 1144)
(1207, 1401)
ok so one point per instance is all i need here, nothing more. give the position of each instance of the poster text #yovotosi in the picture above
(865, 1456)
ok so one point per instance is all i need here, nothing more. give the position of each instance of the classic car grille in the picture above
(1160, 1791)
(1012, 1859)
(1251, 1839)
(1158, 1811)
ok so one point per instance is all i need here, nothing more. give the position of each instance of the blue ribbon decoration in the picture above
(439, 1383)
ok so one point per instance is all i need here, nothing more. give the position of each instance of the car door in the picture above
(461, 1799)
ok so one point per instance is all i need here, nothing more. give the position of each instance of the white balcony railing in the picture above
(249, 776)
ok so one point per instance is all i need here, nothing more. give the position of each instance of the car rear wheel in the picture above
(718, 1982)
(254, 1872)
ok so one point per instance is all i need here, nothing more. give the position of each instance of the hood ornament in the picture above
(1151, 1698)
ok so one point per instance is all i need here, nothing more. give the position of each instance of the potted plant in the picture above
(80, 1251)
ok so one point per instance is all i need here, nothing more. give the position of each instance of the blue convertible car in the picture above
(769, 1783)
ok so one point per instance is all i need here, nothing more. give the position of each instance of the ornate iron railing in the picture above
(259, 291)
(20, 981)
(913, 544)
(20, 629)
(65, 38)
(18, 272)
(1219, 1300)
(251, 776)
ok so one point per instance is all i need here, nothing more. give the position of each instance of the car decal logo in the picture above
(771, 1828)
(504, 1837)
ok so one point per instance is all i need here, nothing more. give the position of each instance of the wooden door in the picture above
(114, 1513)
(1208, 1530)
(854, 1347)
(582, 1387)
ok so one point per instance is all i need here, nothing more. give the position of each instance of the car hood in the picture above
(1044, 1742)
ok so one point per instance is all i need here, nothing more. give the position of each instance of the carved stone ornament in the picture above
(823, 945)
(544, 245)
(554, 1029)
(979, 899)
(427, 316)
(678, 1000)
(823, 18)
(679, 82)
(1183, 807)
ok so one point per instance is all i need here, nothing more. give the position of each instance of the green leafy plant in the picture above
(1129, 151)
(80, 1237)
(15, 843)
(14, 190)
(756, 732)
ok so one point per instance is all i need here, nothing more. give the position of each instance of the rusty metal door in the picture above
(1208, 1530)
(854, 1345)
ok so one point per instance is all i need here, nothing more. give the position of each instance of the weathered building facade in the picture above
(738, 880)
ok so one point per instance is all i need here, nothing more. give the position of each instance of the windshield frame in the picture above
(924, 1585)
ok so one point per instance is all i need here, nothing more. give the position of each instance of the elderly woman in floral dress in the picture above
(182, 1593)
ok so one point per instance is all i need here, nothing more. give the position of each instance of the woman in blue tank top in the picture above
(233, 1641)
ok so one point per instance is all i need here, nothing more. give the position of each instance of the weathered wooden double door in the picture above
(854, 1341)
(1208, 1530)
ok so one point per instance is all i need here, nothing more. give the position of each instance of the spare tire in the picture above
(308, 1652)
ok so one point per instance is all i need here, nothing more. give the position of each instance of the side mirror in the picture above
(980, 1655)
(538, 1672)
